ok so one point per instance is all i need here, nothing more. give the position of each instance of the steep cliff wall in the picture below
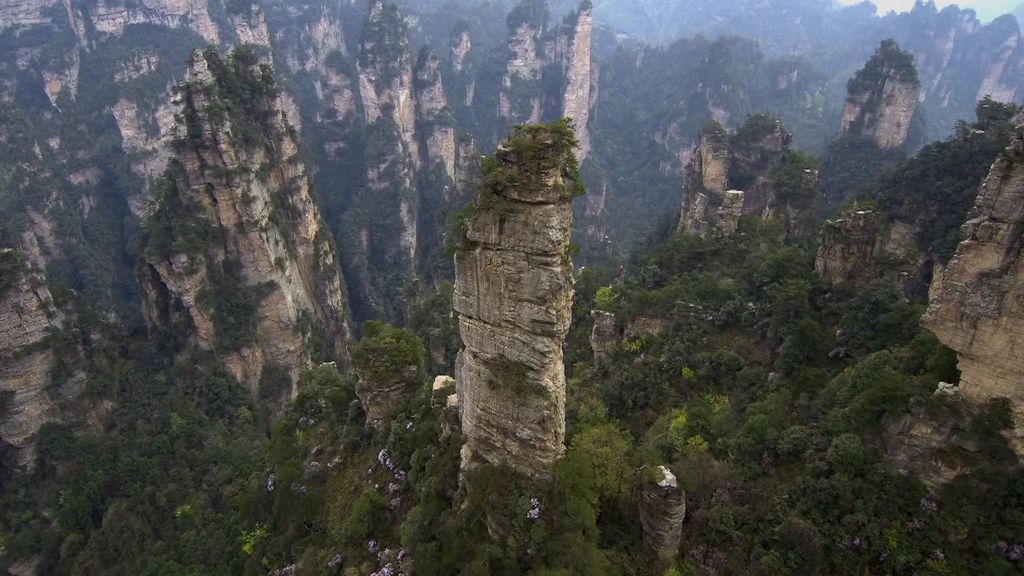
(977, 307)
(386, 73)
(576, 60)
(32, 393)
(436, 122)
(882, 98)
(520, 98)
(513, 293)
(236, 253)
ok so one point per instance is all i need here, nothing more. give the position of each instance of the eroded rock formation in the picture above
(513, 293)
(977, 308)
(539, 54)
(31, 394)
(882, 98)
(236, 252)
(662, 511)
(753, 171)
(604, 336)
(860, 246)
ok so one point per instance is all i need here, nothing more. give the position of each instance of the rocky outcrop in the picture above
(860, 246)
(849, 247)
(513, 294)
(977, 309)
(390, 365)
(882, 98)
(662, 511)
(236, 254)
(925, 441)
(753, 171)
(604, 336)
(31, 392)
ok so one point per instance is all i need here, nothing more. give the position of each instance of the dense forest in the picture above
(261, 264)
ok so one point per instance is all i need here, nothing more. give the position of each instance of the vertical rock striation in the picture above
(882, 98)
(753, 171)
(519, 100)
(978, 304)
(513, 293)
(236, 254)
(577, 67)
(435, 119)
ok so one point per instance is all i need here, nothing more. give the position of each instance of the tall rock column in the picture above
(977, 307)
(237, 259)
(577, 62)
(513, 293)
(882, 98)
(519, 99)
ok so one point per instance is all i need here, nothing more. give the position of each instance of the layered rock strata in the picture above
(662, 511)
(236, 253)
(30, 395)
(513, 293)
(978, 308)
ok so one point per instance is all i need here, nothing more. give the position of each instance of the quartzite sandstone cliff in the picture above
(237, 253)
(513, 293)
(977, 307)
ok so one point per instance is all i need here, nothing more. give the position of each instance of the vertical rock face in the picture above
(513, 293)
(435, 118)
(461, 44)
(385, 73)
(382, 217)
(519, 99)
(712, 157)
(549, 71)
(860, 246)
(882, 98)
(849, 248)
(577, 65)
(662, 511)
(236, 254)
(977, 309)
(29, 395)
(751, 172)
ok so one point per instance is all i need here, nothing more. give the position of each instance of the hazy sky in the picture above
(987, 9)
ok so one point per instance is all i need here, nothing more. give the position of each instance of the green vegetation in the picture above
(528, 156)
(890, 61)
(233, 304)
(385, 353)
(936, 188)
(10, 268)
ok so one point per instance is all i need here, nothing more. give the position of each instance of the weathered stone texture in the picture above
(293, 256)
(513, 293)
(978, 304)
(662, 512)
